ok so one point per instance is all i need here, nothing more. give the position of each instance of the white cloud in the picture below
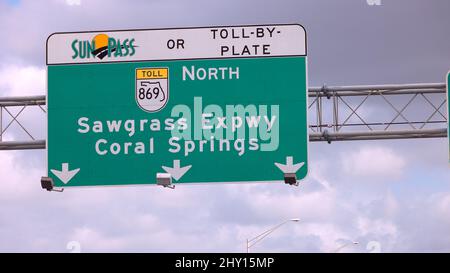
(444, 205)
(16, 180)
(376, 226)
(73, 2)
(17, 80)
(95, 241)
(295, 205)
(373, 162)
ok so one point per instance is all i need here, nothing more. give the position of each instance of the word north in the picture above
(211, 73)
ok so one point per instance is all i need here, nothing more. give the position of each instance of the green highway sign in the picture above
(212, 104)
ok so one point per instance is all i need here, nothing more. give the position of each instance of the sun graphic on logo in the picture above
(101, 46)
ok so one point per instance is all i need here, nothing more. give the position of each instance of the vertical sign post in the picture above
(448, 113)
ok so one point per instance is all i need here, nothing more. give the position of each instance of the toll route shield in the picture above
(152, 88)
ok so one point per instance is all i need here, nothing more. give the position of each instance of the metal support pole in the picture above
(335, 112)
(1, 124)
(392, 88)
(22, 145)
(375, 135)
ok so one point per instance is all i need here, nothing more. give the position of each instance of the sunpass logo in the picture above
(103, 46)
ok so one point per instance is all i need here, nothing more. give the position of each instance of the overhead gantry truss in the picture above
(377, 112)
(335, 113)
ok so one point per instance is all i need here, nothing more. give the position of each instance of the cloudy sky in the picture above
(390, 196)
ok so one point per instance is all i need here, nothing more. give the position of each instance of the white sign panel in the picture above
(176, 44)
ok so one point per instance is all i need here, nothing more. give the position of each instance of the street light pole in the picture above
(344, 246)
(255, 240)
